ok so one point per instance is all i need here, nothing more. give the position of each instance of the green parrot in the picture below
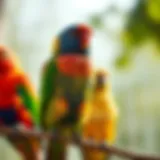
(64, 81)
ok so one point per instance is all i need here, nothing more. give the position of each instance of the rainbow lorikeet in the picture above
(99, 117)
(64, 81)
(17, 102)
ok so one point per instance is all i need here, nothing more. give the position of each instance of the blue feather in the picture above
(70, 42)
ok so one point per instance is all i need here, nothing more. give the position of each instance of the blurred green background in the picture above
(126, 42)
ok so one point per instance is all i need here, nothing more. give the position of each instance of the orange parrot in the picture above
(17, 102)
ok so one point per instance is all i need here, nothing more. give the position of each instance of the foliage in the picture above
(142, 24)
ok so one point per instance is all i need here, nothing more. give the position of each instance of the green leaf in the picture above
(96, 21)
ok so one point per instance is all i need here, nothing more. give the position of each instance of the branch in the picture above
(84, 143)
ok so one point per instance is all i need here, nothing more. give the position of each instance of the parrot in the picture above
(18, 103)
(99, 116)
(64, 79)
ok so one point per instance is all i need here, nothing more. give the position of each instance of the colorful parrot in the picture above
(64, 81)
(18, 105)
(99, 117)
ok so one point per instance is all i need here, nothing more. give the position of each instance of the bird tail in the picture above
(56, 150)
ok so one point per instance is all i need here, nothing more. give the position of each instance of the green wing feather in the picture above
(28, 97)
(49, 75)
(55, 149)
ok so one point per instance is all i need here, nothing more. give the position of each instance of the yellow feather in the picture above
(99, 120)
(57, 109)
(56, 45)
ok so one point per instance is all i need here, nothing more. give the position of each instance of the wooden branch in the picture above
(84, 143)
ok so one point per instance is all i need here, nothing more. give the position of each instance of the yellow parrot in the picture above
(99, 116)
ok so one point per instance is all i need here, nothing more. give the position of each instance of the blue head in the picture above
(74, 40)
